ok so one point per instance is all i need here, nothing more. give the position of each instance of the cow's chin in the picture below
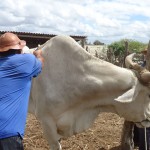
(143, 124)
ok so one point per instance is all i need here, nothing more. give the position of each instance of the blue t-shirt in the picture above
(16, 72)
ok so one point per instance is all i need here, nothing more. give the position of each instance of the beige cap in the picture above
(10, 41)
(144, 51)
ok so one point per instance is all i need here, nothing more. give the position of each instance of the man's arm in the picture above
(37, 53)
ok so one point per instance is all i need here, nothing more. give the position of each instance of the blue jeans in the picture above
(139, 138)
(11, 143)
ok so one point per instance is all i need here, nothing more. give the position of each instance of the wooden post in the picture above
(127, 136)
(125, 53)
(148, 57)
(83, 43)
(128, 127)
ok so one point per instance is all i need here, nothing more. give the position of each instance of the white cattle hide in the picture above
(74, 87)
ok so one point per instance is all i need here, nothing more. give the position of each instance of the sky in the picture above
(103, 20)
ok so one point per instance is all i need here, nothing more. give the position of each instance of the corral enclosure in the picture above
(104, 134)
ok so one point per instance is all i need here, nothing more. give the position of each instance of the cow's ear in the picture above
(127, 97)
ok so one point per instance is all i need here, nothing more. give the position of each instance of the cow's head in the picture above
(136, 101)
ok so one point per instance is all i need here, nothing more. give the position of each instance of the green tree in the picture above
(118, 49)
(136, 46)
(133, 46)
(97, 42)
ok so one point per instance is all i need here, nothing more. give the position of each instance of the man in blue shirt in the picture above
(16, 72)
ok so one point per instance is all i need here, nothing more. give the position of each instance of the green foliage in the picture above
(97, 42)
(136, 46)
(118, 47)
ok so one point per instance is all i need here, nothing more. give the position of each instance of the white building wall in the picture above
(100, 50)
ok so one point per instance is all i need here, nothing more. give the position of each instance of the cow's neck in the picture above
(71, 74)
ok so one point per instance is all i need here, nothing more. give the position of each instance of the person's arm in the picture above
(38, 55)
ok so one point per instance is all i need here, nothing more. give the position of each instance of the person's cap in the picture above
(144, 51)
(10, 41)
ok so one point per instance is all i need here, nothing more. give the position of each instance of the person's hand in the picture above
(38, 55)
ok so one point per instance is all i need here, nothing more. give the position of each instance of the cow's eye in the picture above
(149, 96)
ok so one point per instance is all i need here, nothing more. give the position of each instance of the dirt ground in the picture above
(105, 134)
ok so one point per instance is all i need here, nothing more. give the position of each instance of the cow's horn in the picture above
(130, 64)
(144, 73)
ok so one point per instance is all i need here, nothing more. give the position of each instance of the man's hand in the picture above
(38, 55)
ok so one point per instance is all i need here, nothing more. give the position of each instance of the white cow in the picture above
(74, 87)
